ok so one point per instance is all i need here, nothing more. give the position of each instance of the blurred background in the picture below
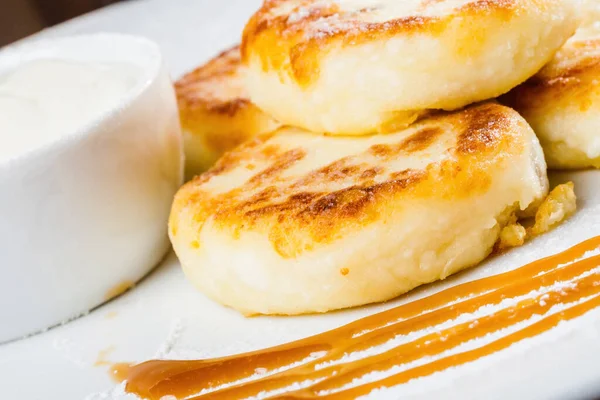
(20, 18)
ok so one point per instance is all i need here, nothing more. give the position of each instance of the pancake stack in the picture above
(362, 152)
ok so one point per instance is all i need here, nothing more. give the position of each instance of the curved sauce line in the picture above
(320, 363)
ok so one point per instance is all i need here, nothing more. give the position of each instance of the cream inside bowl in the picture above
(90, 158)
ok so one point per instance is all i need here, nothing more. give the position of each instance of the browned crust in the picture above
(215, 109)
(294, 44)
(417, 142)
(295, 217)
(567, 79)
(216, 86)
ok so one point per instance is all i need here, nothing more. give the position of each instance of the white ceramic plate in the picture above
(165, 316)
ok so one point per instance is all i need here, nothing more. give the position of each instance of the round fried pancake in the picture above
(292, 222)
(215, 111)
(562, 102)
(359, 66)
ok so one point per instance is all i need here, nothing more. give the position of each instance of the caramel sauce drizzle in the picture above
(317, 367)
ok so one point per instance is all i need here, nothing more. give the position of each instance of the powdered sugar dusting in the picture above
(470, 345)
(295, 386)
(171, 340)
(353, 16)
(263, 372)
(483, 311)
(298, 15)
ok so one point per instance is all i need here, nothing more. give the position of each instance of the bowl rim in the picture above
(150, 72)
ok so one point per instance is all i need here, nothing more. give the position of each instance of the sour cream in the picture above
(45, 99)
(91, 155)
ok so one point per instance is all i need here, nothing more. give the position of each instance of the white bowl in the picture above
(86, 215)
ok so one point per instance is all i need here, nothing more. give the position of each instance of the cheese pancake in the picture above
(292, 222)
(562, 102)
(215, 111)
(360, 66)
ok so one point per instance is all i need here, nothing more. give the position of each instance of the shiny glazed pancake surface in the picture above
(562, 101)
(215, 111)
(361, 66)
(292, 222)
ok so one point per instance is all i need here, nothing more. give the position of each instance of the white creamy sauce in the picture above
(45, 99)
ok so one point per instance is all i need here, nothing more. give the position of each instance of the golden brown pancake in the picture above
(215, 111)
(363, 66)
(562, 101)
(292, 222)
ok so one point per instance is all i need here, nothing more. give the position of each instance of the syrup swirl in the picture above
(343, 363)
